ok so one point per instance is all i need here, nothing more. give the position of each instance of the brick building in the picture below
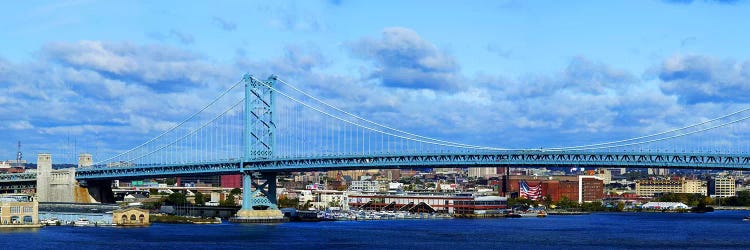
(582, 188)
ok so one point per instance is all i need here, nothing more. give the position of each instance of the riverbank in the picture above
(731, 208)
(173, 219)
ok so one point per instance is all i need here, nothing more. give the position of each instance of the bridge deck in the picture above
(513, 159)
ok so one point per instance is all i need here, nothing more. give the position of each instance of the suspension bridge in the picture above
(271, 126)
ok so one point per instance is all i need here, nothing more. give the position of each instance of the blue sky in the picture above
(108, 75)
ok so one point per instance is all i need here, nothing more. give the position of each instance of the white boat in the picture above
(83, 222)
(747, 218)
(50, 222)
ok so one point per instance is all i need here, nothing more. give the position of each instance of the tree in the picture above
(547, 200)
(176, 199)
(566, 203)
(286, 202)
(171, 181)
(228, 202)
(199, 199)
(620, 206)
(235, 191)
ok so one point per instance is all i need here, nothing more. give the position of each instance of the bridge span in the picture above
(505, 159)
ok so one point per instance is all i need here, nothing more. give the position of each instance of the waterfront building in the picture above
(130, 216)
(649, 188)
(19, 209)
(581, 188)
(321, 199)
(590, 188)
(426, 202)
(722, 186)
(665, 205)
(480, 205)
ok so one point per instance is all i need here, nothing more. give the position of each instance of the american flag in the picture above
(529, 192)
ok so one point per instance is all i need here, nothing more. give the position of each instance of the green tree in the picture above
(620, 206)
(176, 199)
(199, 199)
(228, 202)
(286, 202)
(171, 181)
(236, 191)
(547, 200)
(566, 203)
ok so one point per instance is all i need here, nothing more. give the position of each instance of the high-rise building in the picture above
(658, 171)
(590, 188)
(722, 187)
(652, 187)
(604, 174)
(484, 173)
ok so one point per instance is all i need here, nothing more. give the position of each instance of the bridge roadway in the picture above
(531, 158)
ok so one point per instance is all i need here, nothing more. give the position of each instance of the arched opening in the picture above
(141, 218)
(28, 220)
(132, 218)
(14, 220)
(124, 219)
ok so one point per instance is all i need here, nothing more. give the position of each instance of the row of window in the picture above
(17, 209)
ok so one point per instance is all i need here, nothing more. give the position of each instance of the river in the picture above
(717, 230)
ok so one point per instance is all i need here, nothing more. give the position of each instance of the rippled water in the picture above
(720, 230)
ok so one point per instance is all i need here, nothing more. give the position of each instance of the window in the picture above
(15, 210)
(28, 209)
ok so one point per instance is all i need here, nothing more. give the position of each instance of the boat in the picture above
(51, 222)
(83, 222)
(527, 213)
(747, 218)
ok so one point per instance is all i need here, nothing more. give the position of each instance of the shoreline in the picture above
(731, 208)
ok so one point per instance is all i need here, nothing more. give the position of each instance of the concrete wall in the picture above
(60, 185)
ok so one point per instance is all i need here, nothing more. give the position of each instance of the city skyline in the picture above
(107, 76)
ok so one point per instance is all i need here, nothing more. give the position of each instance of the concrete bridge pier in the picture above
(259, 205)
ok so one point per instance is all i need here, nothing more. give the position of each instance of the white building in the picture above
(322, 199)
(365, 186)
(665, 205)
(395, 186)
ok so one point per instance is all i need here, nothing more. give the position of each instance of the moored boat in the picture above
(50, 222)
(83, 222)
